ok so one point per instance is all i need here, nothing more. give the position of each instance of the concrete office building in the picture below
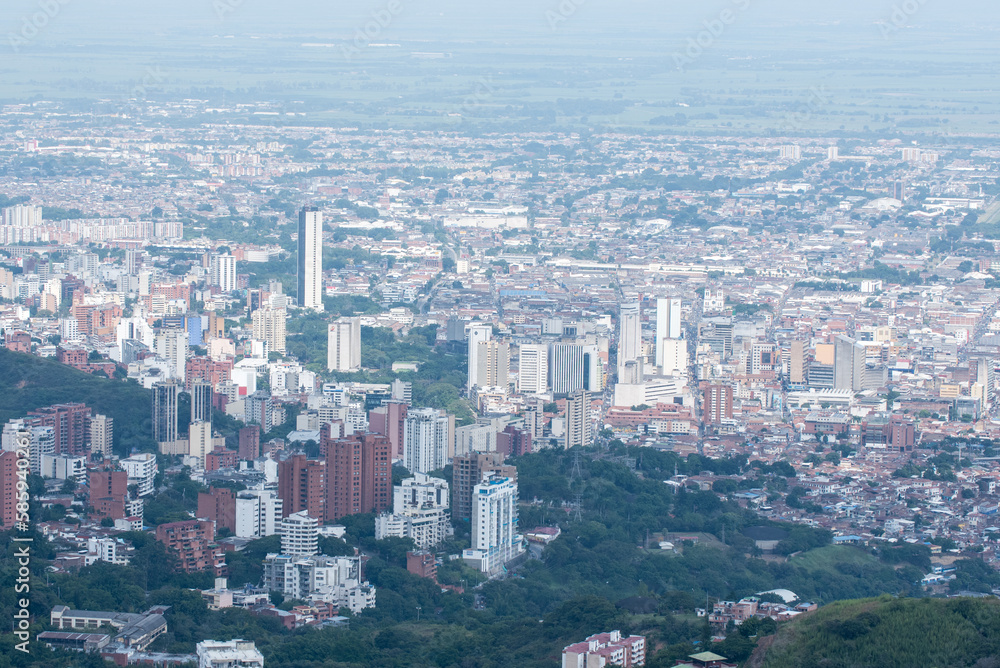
(533, 373)
(165, 396)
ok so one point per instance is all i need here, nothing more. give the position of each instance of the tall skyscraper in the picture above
(358, 474)
(848, 364)
(344, 345)
(493, 364)
(269, 327)
(668, 326)
(477, 334)
(533, 376)
(629, 337)
(201, 401)
(718, 404)
(566, 360)
(310, 276)
(675, 357)
(579, 430)
(797, 363)
(425, 440)
(223, 272)
(165, 411)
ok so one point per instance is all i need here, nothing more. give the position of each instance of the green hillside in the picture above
(28, 382)
(889, 633)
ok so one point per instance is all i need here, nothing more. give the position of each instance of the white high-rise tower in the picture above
(629, 337)
(310, 283)
(477, 334)
(668, 326)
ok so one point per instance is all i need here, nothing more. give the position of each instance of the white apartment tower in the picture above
(495, 540)
(102, 431)
(300, 535)
(258, 513)
(310, 269)
(142, 470)
(172, 346)
(579, 430)
(629, 336)
(425, 440)
(534, 369)
(223, 273)
(477, 334)
(344, 345)
(668, 326)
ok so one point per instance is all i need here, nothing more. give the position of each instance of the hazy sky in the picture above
(477, 19)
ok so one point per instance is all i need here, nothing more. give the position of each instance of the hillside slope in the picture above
(888, 633)
(28, 382)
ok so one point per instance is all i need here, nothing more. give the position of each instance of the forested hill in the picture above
(889, 633)
(28, 382)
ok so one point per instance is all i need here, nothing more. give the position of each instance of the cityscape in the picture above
(283, 388)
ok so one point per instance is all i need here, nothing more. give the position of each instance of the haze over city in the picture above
(481, 335)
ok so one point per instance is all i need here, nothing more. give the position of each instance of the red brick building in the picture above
(390, 420)
(302, 486)
(75, 357)
(249, 443)
(220, 458)
(513, 442)
(8, 489)
(109, 493)
(71, 423)
(97, 319)
(207, 370)
(19, 342)
(218, 505)
(358, 474)
(422, 564)
(193, 543)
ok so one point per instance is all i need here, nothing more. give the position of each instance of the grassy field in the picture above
(889, 633)
(827, 558)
